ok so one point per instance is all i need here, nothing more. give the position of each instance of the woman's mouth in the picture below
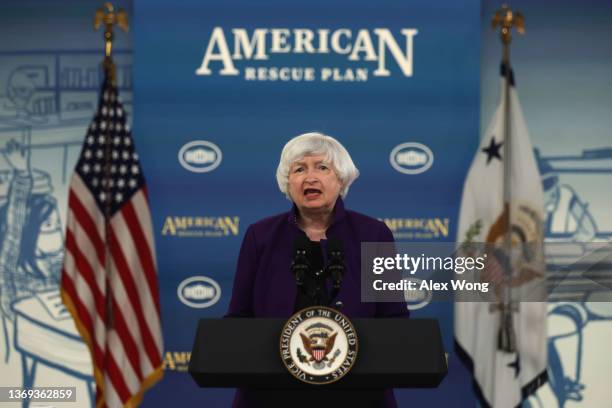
(312, 193)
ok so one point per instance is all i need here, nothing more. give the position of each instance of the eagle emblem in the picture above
(318, 345)
(318, 341)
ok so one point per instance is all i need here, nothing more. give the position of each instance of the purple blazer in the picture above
(265, 287)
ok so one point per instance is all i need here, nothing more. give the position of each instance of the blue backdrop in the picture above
(249, 117)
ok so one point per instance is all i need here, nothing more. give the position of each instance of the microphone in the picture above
(300, 265)
(335, 265)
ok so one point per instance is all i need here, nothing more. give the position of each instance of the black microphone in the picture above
(335, 263)
(300, 265)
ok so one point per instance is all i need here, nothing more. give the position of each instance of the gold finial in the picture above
(107, 15)
(506, 19)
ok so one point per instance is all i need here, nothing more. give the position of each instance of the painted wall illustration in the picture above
(580, 324)
(48, 92)
(49, 78)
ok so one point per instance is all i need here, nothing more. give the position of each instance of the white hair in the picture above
(314, 144)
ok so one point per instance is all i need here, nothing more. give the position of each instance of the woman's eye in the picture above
(323, 167)
(298, 170)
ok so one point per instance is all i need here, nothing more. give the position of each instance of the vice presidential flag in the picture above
(109, 278)
(504, 379)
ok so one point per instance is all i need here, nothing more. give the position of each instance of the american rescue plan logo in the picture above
(318, 345)
(335, 54)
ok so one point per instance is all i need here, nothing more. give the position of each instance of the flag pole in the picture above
(106, 15)
(506, 19)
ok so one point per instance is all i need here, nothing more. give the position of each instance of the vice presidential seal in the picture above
(318, 345)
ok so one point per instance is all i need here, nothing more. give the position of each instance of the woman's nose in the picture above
(311, 177)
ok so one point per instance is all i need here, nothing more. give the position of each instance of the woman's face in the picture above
(314, 184)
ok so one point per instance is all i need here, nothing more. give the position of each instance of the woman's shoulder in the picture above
(269, 226)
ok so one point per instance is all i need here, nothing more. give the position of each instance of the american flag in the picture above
(109, 278)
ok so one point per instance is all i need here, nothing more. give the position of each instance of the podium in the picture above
(244, 353)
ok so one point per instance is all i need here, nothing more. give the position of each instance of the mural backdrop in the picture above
(216, 89)
(49, 83)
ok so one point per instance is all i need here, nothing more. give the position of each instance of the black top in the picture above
(314, 291)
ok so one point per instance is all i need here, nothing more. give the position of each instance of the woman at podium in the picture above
(309, 255)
